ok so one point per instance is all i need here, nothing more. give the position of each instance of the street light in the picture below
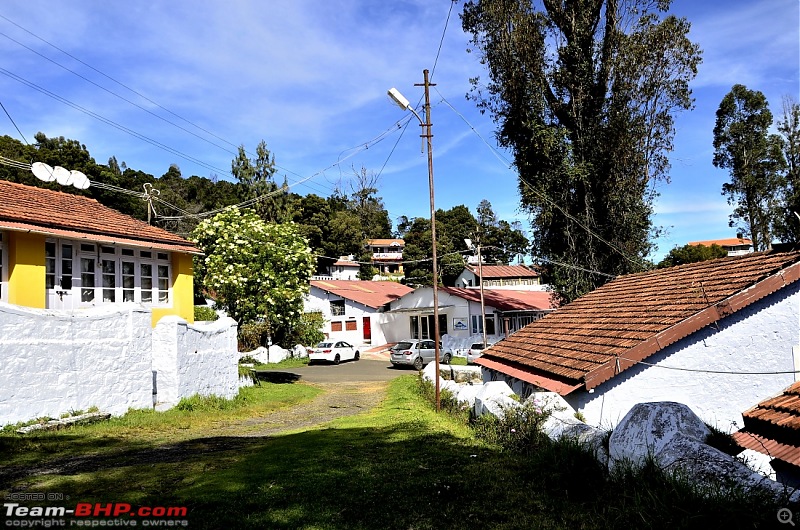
(480, 282)
(403, 103)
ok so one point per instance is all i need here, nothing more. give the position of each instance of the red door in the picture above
(367, 329)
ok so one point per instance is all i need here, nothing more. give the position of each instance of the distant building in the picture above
(736, 246)
(518, 277)
(344, 269)
(387, 257)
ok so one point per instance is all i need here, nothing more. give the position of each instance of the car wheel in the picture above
(336, 359)
(310, 362)
(357, 357)
(447, 358)
(418, 363)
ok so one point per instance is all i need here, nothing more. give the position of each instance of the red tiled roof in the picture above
(386, 242)
(773, 426)
(632, 317)
(346, 263)
(730, 242)
(370, 294)
(505, 271)
(506, 299)
(31, 209)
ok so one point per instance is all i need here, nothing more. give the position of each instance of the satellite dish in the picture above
(62, 175)
(43, 172)
(79, 180)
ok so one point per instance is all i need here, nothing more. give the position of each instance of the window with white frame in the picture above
(477, 324)
(105, 274)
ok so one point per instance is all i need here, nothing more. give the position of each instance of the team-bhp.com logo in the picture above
(94, 515)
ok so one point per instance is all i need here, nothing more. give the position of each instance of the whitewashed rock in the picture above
(429, 372)
(648, 427)
(466, 394)
(299, 351)
(492, 397)
(275, 354)
(449, 385)
(708, 465)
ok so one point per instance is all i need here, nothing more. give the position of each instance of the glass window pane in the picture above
(127, 268)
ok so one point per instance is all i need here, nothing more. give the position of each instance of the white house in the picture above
(736, 246)
(352, 308)
(516, 277)
(718, 336)
(411, 316)
(344, 269)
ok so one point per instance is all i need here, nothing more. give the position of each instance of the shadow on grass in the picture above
(281, 378)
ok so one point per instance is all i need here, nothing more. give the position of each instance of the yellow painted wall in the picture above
(26, 272)
(182, 290)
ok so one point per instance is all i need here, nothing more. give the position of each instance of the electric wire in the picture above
(543, 196)
(705, 371)
(13, 122)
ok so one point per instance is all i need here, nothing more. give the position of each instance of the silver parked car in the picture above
(417, 353)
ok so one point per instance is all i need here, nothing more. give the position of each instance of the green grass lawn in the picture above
(400, 466)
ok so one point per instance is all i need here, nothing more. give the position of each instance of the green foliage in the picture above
(754, 158)
(447, 400)
(787, 223)
(519, 430)
(252, 335)
(584, 93)
(257, 270)
(307, 330)
(691, 254)
(204, 313)
(256, 178)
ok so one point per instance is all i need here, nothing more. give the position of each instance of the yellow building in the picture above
(65, 251)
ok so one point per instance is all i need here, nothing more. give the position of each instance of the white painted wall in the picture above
(194, 359)
(53, 362)
(758, 338)
(319, 300)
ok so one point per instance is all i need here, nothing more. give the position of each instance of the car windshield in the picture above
(324, 345)
(402, 346)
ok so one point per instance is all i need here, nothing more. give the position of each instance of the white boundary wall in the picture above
(194, 359)
(54, 362)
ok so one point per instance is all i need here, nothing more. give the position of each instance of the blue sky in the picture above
(310, 78)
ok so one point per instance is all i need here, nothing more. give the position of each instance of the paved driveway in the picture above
(346, 372)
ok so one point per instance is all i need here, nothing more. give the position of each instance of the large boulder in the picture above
(494, 398)
(648, 427)
(562, 423)
(674, 437)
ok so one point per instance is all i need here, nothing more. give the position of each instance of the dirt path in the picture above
(337, 400)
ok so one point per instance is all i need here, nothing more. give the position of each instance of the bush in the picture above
(204, 312)
(447, 400)
(252, 335)
(307, 330)
(519, 430)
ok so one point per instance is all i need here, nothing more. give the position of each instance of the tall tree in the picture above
(502, 241)
(584, 92)
(787, 223)
(754, 159)
(256, 178)
(691, 254)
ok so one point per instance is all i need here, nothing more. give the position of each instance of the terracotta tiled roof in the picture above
(346, 263)
(630, 318)
(31, 209)
(505, 271)
(506, 299)
(730, 242)
(370, 294)
(386, 242)
(773, 426)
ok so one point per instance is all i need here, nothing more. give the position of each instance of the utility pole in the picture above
(426, 133)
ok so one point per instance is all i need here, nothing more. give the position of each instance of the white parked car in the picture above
(475, 351)
(333, 352)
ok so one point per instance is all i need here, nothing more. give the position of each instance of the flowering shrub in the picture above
(258, 271)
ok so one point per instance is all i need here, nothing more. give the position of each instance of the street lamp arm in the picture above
(403, 103)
